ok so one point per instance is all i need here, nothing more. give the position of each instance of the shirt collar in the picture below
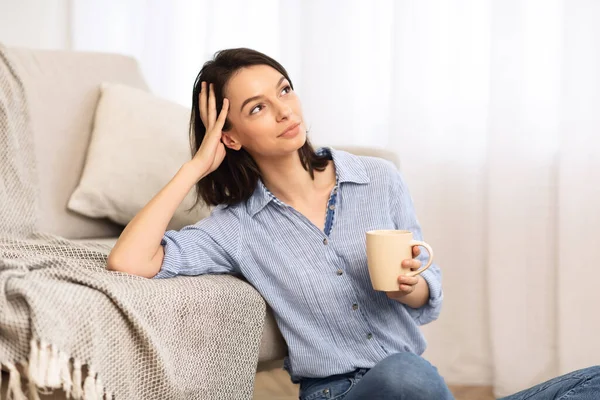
(348, 168)
(259, 199)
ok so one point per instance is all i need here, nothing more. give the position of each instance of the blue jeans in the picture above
(583, 384)
(399, 376)
(407, 376)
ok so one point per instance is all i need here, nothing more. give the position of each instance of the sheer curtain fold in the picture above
(492, 106)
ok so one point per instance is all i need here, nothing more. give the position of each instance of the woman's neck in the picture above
(287, 179)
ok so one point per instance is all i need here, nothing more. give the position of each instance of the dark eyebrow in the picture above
(258, 97)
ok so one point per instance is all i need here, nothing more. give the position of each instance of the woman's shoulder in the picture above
(224, 218)
(374, 163)
(378, 165)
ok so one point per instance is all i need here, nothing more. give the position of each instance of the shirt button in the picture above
(332, 207)
(325, 391)
(369, 336)
(339, 272)
(325, 241)
(355, 306)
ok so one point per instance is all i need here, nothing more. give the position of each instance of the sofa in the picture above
(63, 89)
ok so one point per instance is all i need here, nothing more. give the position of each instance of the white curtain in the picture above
(493, 107)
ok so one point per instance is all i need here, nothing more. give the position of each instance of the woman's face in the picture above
(264, 112)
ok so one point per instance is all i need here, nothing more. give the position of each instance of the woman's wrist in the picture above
(193, 172)
(419, 297)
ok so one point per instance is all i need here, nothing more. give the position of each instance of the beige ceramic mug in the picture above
(386, 249)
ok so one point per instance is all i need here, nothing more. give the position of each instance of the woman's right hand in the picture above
(212, 150)
(138, 250)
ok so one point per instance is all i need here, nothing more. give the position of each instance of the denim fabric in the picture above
(330, 210)
(399, 376)
(583, 384)
(408, 376)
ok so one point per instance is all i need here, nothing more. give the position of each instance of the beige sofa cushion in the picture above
(138, 144)
(62, 88)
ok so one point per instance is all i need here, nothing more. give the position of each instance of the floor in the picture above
(275, 384)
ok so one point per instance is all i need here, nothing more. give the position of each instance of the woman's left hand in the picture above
(407, 284)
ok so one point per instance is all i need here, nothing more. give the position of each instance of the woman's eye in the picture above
(286, 89)
(256, 109)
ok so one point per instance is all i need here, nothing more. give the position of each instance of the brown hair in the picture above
(236, 178)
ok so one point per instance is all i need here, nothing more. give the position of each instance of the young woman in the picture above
(292, 221)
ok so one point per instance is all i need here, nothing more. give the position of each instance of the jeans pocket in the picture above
(335, 390)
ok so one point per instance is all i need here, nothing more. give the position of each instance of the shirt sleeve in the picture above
(404, 216)
(207, 247)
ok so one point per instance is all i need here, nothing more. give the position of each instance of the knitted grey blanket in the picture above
(68, 323)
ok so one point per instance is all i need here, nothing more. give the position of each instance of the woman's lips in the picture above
(291, 131)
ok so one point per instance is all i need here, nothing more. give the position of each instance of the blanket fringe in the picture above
(77, 392)
(53, 371)
(93, 389)
(42, 361)
(15, 391)
(65, 374)
(32, 390)
(49, 368)
(33, 362)
(100, 388)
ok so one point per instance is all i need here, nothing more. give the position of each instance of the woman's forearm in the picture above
(137, 250)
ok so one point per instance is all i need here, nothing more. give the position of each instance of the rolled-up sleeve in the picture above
(208, 247)
(405, 218)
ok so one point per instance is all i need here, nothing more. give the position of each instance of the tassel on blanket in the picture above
(53, 371)
(15, 391)
(32, 389)
(65, 374)
(34, 362)
(77, 392)
(47, 369)
(99, 388)
(42, 368)
(89, 387)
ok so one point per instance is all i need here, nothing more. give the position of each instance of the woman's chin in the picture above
(300, 139)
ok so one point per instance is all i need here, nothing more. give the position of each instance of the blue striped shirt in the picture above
(316, 282)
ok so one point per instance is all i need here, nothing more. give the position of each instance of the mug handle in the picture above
(429, 250)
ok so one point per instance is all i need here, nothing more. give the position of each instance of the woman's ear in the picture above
(229, 141)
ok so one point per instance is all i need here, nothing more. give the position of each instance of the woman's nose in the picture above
(283, 111)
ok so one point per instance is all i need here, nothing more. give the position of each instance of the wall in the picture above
(40, 24)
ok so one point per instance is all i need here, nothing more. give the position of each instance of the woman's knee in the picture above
(408, 376)
(592, 371)
(590, 374)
